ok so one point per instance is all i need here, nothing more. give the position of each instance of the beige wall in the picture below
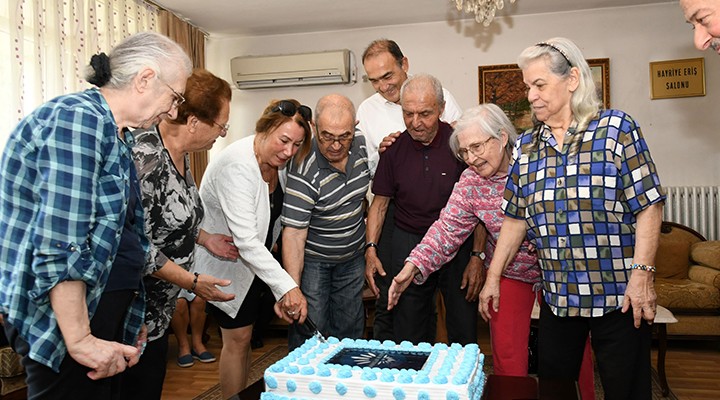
(683, 134)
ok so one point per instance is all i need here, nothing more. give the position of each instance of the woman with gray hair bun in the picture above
(584, 184)
(72, 241)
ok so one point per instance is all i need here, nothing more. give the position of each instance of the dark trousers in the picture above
(414, 318)
(621, 350)
(72, 381)
(144, 381)
(383, 322)
(461, 316)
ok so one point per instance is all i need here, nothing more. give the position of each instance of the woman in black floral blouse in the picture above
(173, 212)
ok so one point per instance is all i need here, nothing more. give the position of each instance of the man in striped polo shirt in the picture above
(324, 226)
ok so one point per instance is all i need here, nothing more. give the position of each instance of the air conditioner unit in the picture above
(322, 68)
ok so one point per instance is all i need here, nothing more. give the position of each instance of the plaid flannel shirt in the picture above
(64, 184)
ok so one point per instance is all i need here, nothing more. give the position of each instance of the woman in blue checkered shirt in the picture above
(584, 185)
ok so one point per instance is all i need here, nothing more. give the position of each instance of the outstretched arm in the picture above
(512, 233)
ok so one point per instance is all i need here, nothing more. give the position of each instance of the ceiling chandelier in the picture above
(484, 10)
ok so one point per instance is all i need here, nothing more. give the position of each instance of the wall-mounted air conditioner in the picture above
(322, 68)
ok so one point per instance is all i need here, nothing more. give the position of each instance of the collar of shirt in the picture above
(437, 140)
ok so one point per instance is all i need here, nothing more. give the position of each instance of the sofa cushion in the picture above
(706, 253)
(673, 257)
(685, 294)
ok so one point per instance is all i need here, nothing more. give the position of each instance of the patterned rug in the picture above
(258, 367)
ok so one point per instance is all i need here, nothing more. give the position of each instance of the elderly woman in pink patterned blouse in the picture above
(484, 139)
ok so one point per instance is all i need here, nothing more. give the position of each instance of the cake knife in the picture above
(311, 325)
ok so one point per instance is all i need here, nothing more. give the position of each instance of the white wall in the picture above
(683, 134)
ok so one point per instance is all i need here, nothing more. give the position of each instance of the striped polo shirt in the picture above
(329, 203)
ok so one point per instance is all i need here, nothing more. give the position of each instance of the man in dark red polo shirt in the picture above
(418, 172)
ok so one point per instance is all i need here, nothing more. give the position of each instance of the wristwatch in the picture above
(370, 244)
(478, 254)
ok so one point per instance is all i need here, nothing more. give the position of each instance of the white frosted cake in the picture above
(369, 369)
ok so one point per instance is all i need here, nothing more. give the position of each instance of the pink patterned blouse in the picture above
(474, 199)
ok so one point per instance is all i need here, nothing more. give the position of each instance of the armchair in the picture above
(687, 281)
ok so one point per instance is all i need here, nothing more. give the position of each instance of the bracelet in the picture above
(370, 244)
(648, 268)
(192, 288)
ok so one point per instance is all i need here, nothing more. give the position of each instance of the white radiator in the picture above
(697, 207)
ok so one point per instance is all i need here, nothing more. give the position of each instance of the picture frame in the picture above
(503, 85)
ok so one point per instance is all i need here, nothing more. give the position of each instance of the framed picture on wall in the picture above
(503, 85)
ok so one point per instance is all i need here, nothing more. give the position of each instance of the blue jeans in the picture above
(334, 295)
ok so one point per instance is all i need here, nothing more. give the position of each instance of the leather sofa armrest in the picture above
(706, 253)
(704, 274)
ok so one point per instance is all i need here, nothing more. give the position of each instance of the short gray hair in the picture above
(562, 54)
(490, 119)
(336, 102)
(145, 50)
(418, 81)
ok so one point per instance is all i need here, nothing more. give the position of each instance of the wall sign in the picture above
(677, 78)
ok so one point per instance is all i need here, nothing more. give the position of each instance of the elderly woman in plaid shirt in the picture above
(584, 184)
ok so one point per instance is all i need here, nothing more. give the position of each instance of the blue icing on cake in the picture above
(387, 376)
(368, 375)
(271, 382)
(405, 378)
(379, 370)
(307, 370)
(315, 387)
(370, 391)
(323, 370)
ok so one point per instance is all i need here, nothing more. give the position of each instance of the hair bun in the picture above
(100, 63)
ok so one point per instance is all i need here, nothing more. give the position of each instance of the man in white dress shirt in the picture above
(380, 114)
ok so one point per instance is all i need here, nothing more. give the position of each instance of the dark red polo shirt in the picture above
(419, 178)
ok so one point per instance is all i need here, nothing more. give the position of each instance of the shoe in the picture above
(185, 361)
(256, 343)
(204, 357)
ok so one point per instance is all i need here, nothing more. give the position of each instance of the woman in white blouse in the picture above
(242, 192)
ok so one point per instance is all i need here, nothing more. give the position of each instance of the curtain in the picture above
(192, 40)
(46, 45)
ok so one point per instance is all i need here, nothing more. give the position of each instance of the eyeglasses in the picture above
(476, 149)
(179, 99)
(288, 109)
(223, 128)
(342, 139)
(559, 50)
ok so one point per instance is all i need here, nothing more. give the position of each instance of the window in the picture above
(48, 44)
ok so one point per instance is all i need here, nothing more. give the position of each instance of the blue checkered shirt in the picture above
(581, 208)
(64, 185)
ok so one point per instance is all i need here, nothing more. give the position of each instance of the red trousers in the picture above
(510, 330)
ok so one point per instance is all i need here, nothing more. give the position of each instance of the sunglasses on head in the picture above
(288, 109)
